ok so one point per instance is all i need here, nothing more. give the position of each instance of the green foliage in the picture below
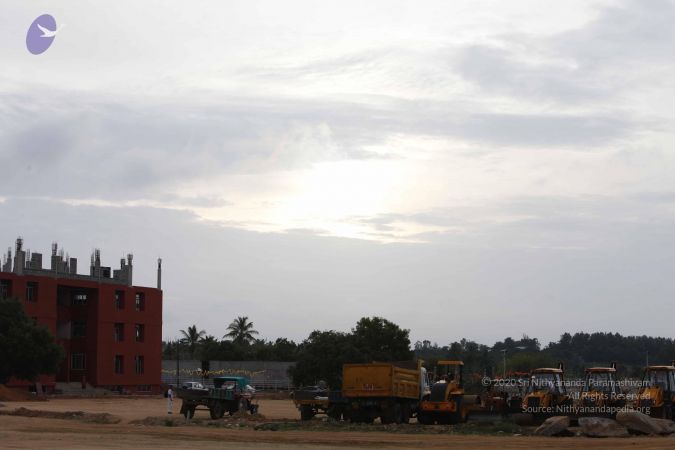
(321, 357)
(26, 350)
(208, 348)
(191, 338)
(241, 331)
(323, 353)
(526, 361)
(381, 340)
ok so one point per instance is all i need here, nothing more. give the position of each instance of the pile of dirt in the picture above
(236, 420)
(239, 415)
(154, 421)
(15, 395)
(103, 418)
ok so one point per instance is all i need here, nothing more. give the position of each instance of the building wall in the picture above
(51, 308)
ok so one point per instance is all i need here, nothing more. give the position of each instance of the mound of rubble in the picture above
(627, 423)
(82, 416)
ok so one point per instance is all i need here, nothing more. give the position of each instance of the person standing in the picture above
(169, 400)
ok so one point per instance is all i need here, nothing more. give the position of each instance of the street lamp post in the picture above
(177, 363)
(504, 357)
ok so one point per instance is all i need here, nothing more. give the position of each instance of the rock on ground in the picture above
(553, 426)
(638, 422)
(602, 427)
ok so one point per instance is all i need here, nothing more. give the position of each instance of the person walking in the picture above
(169, 400)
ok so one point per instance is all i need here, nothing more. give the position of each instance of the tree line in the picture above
(27, 350)
(320, 356)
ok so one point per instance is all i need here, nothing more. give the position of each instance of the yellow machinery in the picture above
(390, 391)
(601, 394)
(656, 396)
(445, 403)
(546, 396)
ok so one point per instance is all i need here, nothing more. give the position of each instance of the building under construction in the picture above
(111, 330)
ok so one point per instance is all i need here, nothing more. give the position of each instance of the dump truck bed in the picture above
(380, 380)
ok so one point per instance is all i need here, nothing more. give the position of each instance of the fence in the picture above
(262, 375)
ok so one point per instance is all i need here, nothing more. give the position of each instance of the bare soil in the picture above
(143, 424)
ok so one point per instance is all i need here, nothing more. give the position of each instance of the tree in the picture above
(26, 349)
(381, 340)
(241, 331)
(321, 356)
(191, 337)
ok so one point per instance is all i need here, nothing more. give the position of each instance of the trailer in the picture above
(229, 394)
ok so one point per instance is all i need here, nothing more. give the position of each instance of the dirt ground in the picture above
(48, 433)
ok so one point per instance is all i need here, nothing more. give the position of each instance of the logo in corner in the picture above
(41, 34)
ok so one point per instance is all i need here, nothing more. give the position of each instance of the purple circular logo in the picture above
(41, 34)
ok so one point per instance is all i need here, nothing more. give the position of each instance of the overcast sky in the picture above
(474, 169)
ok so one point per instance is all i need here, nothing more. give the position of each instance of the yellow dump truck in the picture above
(391, 391)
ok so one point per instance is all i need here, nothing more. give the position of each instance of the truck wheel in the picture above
(523, 419)
(243, 405)
(388, 415)
(405, 413)
(659, 413)
(398, 411)
(443, 418)
(334, 412)
(306, 412)
(425, 418)
(188, 412)
(456, 417)
(217, 411)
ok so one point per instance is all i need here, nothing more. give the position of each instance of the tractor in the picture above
(546, 396)
(229, 394)
(601, 394)
(656, 396)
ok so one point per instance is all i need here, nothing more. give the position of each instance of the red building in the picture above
(111, 330)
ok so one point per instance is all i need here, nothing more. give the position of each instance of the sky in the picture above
(468, 169)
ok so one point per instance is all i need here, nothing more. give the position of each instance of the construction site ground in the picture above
(142, 423)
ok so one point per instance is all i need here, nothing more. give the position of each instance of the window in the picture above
(140, 332)
(4, 288)
(119, 364)
(119, 300)
(140, 364)
(143, 388)
(80, 299)
(31, 291)
(77, 361)
(79, 329)
(140, 301)
(118, 332)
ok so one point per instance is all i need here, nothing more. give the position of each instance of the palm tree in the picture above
(191, 337)
(241, 331)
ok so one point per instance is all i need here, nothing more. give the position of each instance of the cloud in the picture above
(623, 49)
(213, 273)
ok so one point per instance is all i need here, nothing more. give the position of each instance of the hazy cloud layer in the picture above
(380, 158)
